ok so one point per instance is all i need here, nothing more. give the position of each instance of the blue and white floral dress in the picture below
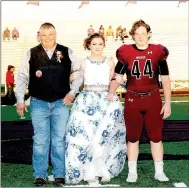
(95, 141)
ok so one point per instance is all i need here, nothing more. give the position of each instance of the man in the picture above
(10, 77)
(119, 32)
(10, 98)
(47, 75)
(143, 63)
(6, 34)
(109, 33)
(90, 31)
(15, 34)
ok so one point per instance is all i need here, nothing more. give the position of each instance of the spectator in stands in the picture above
(101, 31)
(47, 75)
(109, 33)
(10, 77)
(124, 35)
(6, 34)
(95, 125)
(144, 63)
(10, 95)
(119, 31)
(15, 34)
(90, 31)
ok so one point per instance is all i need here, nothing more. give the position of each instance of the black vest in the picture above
(49, 79)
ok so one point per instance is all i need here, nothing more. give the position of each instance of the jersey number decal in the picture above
(146, 72)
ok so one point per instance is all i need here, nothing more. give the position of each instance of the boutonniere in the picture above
(59, 56)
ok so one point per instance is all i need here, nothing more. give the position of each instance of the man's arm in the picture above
(165, 79)
(76, 66)
(120, 70)
(166, 88)
(113, 86)
(166, 109)
(22, 79)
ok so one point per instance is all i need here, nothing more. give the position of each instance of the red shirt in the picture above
(9, 78)
(142, 66)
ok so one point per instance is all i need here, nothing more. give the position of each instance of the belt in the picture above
(142, 93)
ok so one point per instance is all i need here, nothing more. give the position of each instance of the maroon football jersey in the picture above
(142, 66)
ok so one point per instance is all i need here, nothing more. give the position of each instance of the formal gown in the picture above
(96, 133)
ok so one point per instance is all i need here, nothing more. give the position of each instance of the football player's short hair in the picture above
(138, 24)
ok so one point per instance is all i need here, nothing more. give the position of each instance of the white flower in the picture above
(59, 56)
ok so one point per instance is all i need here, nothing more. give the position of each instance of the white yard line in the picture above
(181, 184)
(16, 139)
(179, 101)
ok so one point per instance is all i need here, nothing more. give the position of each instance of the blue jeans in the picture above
(49, 121)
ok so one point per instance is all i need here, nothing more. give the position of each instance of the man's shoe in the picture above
(59, 181)
(39, 182)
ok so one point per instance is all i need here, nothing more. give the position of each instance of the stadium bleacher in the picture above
(12, 52)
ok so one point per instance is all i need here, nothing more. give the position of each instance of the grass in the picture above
(19, 175)
(177, 171)
(174, 148)
(8, 113)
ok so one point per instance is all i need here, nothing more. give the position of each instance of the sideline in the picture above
(181, 184)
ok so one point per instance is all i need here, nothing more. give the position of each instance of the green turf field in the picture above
(19, 175)
(180, 110)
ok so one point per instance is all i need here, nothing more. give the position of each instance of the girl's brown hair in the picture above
(88, 40)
